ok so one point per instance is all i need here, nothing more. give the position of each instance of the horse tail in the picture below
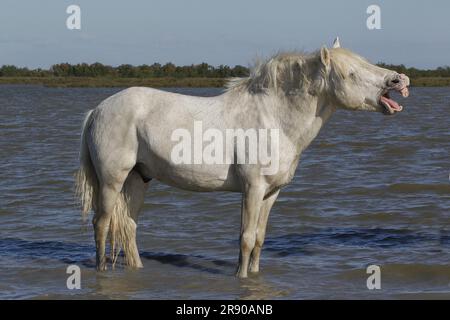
(86, 181)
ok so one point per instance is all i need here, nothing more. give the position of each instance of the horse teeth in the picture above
(405, 92)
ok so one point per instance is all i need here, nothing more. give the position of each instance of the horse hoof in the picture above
(241, 275)
(102, 268)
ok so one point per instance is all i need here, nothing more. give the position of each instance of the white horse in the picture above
(126, 140)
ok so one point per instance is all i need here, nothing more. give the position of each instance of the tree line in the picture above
(157, 70)
(415, 73)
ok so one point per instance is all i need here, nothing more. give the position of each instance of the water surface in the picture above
(370, 189)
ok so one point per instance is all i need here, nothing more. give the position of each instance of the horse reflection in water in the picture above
(126, 141)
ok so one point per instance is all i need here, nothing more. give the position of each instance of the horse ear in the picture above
(325, 56)
(336, 43)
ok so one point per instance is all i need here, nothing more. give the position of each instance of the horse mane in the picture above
(287, 71)
(292, 72)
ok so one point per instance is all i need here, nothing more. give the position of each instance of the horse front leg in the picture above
(261, 230)
(251, 205)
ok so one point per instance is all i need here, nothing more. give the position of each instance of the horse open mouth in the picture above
(391, 106)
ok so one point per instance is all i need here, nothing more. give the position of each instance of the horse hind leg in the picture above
(124, 220)
(108, 195)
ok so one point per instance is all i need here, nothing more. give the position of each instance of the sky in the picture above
(34, 33)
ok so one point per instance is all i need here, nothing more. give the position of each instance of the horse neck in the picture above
(303, 117)
(299, 117)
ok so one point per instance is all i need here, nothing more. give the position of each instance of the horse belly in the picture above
(193, 177)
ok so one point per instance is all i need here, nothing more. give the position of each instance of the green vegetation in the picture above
(168, 75)
(52, 81)
(155, 70)
(431, 82)
(439, 77)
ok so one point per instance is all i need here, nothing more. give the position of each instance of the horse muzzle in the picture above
(398, 83)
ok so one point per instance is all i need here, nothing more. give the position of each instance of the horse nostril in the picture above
(393, 82)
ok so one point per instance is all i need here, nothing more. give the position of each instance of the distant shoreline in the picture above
(99, 82)
(159, 82)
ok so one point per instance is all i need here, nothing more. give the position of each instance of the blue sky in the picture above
(34, 33)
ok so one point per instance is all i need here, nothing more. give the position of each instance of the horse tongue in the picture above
(394, 105)
(405, 92)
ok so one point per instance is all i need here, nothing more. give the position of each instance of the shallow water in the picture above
(370, 189)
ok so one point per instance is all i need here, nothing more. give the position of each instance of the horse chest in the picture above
(285, 174)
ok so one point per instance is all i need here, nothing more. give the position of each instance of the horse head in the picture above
(352, 82)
